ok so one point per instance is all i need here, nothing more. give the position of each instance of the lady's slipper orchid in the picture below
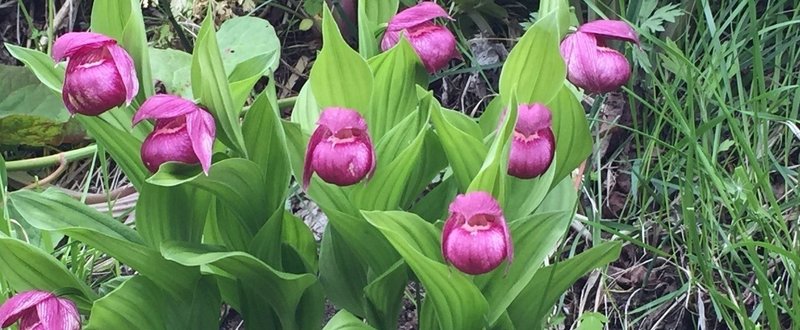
(340, 150)
(434, 44)
(100, 74)
(533, 146)
(39, 310)
(184, 132)
(590, 64)
(475, 237)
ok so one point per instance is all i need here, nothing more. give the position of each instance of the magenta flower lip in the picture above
(590, 64)
(184, 132)
(340, 150)
(533, 144)
(100, 74)
(37, 310)
(475, 237)
(434, 44)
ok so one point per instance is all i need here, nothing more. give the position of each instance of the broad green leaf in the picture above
(433, 206)
(102, 232)
(173, 69)
(297, 237)
(562, 197)
(550, 282)
(26, 268)
(384, 296)
(30, 113)
(432, 162)
(237, 182)
(238, 45)
(306, 111)
(342, 276)
(5, 226)
(40, 64)
(123, 21)
(395, 92)
(371, 15)
(465, 153)
(245, 76)
(266, 146)
(562, 14)
(456, 301)
(281, 291)
(140, 304)
(534, 69)
(171, 213)
(340, 77)
(491, 116)
(463, 122)
(384, 191)
(122, 146)
(210, 84)
(343, 320)
(524, 195)
(533, 238)
(573, 138)
(492, 175)
(266, 244)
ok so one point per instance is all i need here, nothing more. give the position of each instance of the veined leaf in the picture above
(573, 138)
(464, 152)
(343, 320)
(491, 177)
(395, 92)
(40, 64)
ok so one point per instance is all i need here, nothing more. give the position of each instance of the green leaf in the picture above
(306, 111)
(464, 152)
(492, 175)
(281, 291)
(340, 77)
(237, 182)
(297, 236)
(533, 238)
(102, 232)
(236, 42)
(40, 64)
(534, 69)
(210, 84)
(266, 244)
(384, 296)
(173, 69)
(343, 320)
(395, 92)
(371, 16)
(139, 303)
(573, 138)
(123, 21)
(456, 301)
(266, 146)
(5, 226)
(342, 276)
(562, 14)
(550, 282)
(491, 116)
(171, 213)
(433, 205)
(30, 113)
(524, 195)
(25, 268)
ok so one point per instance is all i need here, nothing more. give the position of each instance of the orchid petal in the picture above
(126, 71)
(611, 29)
(92, 84)
(434, 44)
(390, 38)
(164, 106)
(532, 118)
(308, 168)
(478, 202)
(335, 119)
(530, 158)
(202, 132)
(70, 43)
(14, 308)
(416, 15)
(342, 163)
(58, 314)
(169, 141)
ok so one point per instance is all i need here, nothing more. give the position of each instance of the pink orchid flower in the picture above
(340, 149)
(590, 64)
(100, 74)
(39, 310)
(475, 238)
(184, 132)
(434, 44)
(533, 144)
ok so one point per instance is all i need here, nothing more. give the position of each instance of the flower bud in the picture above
(183, 132)
(100, 74)
(590, 64)
(475, 237)
(434, 44)
(39, 310)
(340, 149)
(533, 144)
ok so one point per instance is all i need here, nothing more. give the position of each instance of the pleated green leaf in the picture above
(395, 93)
(573, 138)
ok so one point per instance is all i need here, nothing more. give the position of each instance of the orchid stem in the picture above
(40, 162)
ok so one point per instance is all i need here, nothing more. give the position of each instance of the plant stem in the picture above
(167, 9)
(39, 162)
